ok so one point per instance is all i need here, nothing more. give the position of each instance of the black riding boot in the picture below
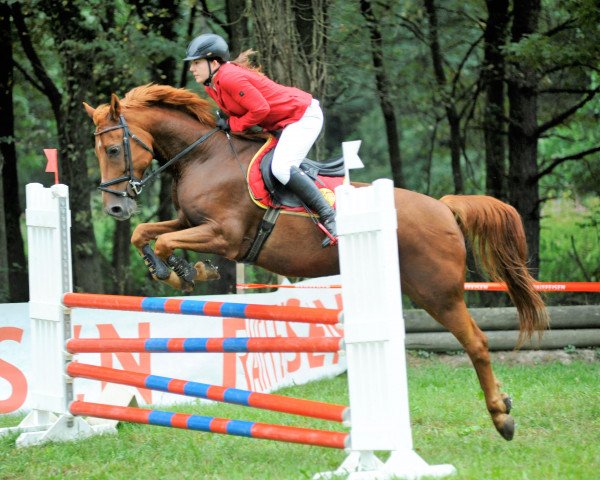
(303, 186)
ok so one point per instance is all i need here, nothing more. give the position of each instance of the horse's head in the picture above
(122, 161)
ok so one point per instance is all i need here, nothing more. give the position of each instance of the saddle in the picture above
(267, 191)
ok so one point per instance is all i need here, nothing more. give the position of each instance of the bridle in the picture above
(135, 185)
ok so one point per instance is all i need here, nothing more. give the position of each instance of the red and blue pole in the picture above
(203, 308)
(205, 345)
(278, 403)
(307, 436)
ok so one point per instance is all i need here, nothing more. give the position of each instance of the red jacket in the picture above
(250, 98)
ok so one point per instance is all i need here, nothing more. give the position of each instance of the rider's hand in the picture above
(223, 122)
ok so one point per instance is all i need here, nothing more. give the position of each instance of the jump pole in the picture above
(205, 345)
(282, 433)
(266, 401)
(284, 313)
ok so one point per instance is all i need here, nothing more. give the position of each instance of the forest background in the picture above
(492, 97)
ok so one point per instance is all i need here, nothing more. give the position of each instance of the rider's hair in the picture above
(243, 60)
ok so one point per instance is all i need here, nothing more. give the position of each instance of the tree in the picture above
(237, 28)
(492, 77)
(383, 92)
(569, 45)
(4, 278)
(13, 264)
(446, 94)
(72, 37)
(291, 40)
(522, 139)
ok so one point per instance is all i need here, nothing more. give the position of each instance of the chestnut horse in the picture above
(216, 215)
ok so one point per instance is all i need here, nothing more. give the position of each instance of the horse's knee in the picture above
(139, 238)
(162, 247)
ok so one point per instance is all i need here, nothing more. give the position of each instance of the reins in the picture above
(136, 185)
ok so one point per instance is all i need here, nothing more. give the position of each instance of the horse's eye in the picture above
(113, 150)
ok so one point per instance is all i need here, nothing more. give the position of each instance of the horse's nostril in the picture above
(115, 210)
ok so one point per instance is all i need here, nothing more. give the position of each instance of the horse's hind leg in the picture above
(458, 321)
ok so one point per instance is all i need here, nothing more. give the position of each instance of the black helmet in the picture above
(207, 45)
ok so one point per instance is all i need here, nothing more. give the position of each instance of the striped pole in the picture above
(201, 423)
(490, 286)
(203, 308)
(205, 345)
(278, 403)
(539, 286)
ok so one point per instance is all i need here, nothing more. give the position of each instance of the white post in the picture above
(49, 252)
(374, 337)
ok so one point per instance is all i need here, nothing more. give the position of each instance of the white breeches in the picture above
(295, 142)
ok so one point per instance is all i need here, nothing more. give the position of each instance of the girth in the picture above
(264, 230)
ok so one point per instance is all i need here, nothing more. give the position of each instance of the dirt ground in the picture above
(523, 357)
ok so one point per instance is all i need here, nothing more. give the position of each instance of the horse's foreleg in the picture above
(145, 233)
(199, 239)
(457, 319)
(175, 271)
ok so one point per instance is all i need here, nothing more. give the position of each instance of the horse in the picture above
(216, 215)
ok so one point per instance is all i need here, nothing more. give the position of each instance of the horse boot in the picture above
(303, 186)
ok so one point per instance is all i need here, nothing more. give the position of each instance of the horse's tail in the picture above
(496, 232)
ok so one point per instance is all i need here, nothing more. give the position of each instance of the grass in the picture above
(556, 407)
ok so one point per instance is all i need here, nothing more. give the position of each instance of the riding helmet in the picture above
(207, 45)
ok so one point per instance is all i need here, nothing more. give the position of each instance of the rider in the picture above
(250, 99)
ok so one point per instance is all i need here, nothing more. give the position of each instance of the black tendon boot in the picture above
(307, 191)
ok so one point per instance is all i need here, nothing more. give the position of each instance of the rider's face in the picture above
(199, 69)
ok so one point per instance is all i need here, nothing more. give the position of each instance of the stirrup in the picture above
(329, 240)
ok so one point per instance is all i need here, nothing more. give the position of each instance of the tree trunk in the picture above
(237, 18)
(121, 265)
(522, 132)
(6, 82)
(13, 264)
(164, 72)
(383, 92)
(4, 279)
(291, 39)
(451, 112)
(493, 83)
(69, 30)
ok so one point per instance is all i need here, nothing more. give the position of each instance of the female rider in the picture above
(251, 99)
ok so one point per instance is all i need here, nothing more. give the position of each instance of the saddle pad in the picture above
(260, 195)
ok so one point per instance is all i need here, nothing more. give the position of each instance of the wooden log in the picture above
(507, 340)
(571, 317)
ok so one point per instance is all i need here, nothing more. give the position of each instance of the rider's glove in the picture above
(223, 122)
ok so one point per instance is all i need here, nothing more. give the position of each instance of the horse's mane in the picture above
(178, 98)
(163, 95)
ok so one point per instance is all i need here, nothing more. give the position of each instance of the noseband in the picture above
(135, 185)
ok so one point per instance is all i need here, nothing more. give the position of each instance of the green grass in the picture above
(556, 407)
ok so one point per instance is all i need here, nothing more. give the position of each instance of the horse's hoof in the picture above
(508, 403)
(182, 268)
(207, 271)
(507, 427)
(187, 287)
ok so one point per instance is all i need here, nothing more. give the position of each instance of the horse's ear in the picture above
(90, 110)
(115, 107)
